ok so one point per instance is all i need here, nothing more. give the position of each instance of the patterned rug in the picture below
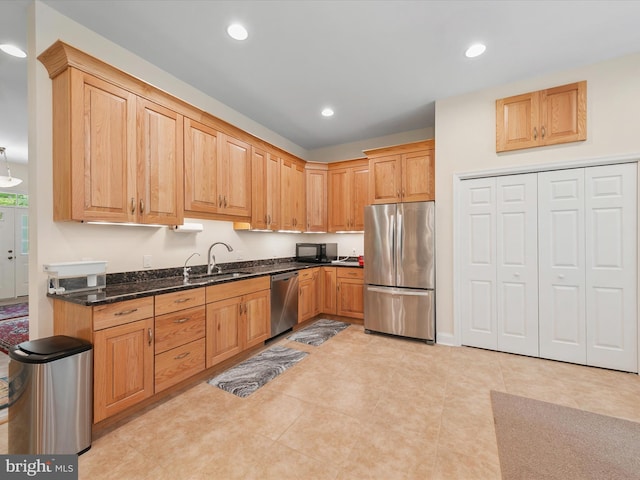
(14, 311)
(13, 332)
(248, 376)
(318, 332)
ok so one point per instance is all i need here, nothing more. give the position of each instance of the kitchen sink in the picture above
(218, 276)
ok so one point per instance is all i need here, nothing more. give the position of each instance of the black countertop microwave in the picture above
(316, 252)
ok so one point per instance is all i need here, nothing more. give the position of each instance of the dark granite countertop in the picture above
(131, 285)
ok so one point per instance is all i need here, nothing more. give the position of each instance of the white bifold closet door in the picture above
(587, 233)
(499, 298)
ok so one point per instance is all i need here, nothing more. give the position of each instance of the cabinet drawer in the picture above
(306, 274)
(113, 314)
(178, 328)
(351, 273)
(172, 302)
(237, 288)
(179, 364)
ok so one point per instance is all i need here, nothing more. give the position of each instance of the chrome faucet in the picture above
(185, 269)
(211, 259)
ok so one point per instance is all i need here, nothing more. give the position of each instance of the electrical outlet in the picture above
(146, 261)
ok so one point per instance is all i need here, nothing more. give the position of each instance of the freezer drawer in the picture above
(407, 312)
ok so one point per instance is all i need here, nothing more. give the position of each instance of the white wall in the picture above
(465, 142)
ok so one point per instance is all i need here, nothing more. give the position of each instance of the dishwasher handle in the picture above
(283, 277)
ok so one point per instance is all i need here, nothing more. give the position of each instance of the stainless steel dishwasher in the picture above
(284, 302)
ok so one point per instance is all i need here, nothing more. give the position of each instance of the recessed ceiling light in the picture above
(327, 112)
(12, 50)
(475, 50)
(237, 31)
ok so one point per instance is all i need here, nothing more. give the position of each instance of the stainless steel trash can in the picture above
(50, 396)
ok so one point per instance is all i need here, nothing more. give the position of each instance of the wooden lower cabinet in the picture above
(309, 294)
(180, 363)
(350, 292)
(123, 367)
(237, 323)
(328, 282)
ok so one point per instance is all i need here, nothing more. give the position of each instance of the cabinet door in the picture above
(258, 188)
(611, 266)
(563, 114)
(384, 180)
(339, 210)
(478, 263)
(417, 176)
(517, 122)
(234, 177)
(257, 317)
(201, 147)
(123, 364)
(306, 292)
(317, 294)
(287, 198)
(329, 286)
(300, 198)
(273, 192)
(350, 297)
(224, 336)
(103, 162)
(359, 196)
(316, 181)
(160, 165)
(561, 240)
(517, 263)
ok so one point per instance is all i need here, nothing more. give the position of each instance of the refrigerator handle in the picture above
(398, 245)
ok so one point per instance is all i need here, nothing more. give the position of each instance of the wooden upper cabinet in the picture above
(405, 173)
(234, 177)
(546, 117)
(217, 172)
(273, 188)
(348, 185)
(201, 150)
(160, 164)
(258, 188)
(292, 195)
(316, 183)
(117, 156)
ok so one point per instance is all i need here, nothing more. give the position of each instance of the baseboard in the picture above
(447, 339)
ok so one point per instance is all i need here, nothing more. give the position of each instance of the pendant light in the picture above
(8, 181)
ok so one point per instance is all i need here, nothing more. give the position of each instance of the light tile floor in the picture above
(358, 407)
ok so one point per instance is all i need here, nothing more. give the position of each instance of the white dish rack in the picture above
(69, 277)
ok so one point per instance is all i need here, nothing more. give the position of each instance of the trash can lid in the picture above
(48, 349)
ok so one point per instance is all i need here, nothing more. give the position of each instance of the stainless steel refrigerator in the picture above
(399, 269)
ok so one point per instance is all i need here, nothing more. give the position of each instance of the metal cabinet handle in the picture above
(181, 320)
(269, 219)
(182, 300)
(240, 309)
(141, 206)
(219, 200)
(225, 201)
(535, 133)
(125, 312)
(150, 336)
(542, 131)
(182, 355)
(133, 205)
(10, 258)
(398, 193)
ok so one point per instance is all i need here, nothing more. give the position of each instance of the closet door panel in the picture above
(611, 266)
(561, 241)
(478, 263)
(517, 264)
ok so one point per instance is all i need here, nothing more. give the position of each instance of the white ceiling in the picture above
(380, 64)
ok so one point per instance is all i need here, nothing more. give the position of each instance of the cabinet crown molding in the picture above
(399, 149)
